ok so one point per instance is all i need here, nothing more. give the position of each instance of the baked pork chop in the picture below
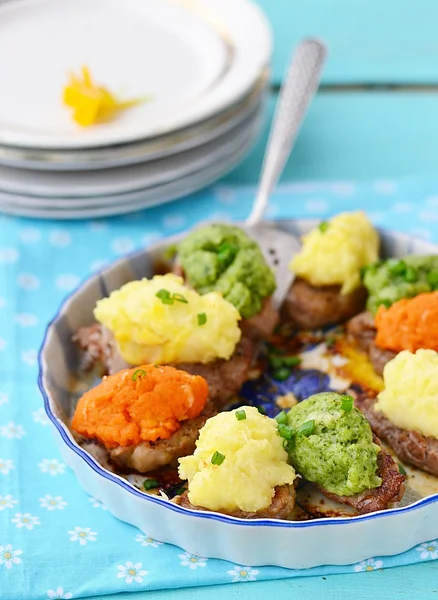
(147, 456)
(362, 330)
(224, 377)
(412, 447)
(310, 307)
(391, 490)
(282, 505)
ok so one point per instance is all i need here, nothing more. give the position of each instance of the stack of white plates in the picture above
(203, 63)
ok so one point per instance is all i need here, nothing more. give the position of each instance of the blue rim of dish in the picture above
(167, 504)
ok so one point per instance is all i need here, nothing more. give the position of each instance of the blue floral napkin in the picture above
(55, 541)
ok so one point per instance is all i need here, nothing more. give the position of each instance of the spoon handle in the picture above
(297, 91)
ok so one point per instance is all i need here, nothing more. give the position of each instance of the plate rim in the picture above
(206, 108)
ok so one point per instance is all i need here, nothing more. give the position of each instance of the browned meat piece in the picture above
(224, 377)
(282, 505)
(261, 326)
(379, 357)
(362, 330)
(309, 307)
(412, 447)
(148, 456)
(99, 346)
(391, 490)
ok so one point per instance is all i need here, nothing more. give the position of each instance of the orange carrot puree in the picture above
(409, 324)
(122, 411)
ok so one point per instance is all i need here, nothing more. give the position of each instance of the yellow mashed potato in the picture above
(335, 252)
(255, 463)
(410, 397)
(189, 328)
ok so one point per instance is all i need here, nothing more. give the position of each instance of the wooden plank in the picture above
(358, 136)
(378, 41)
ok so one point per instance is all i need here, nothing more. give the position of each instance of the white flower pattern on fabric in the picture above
(3, 343)
(122, 245)
(368, 565)
(95, 503)
(52, 466)
(60, 238)
(241, 573)
(12, 431)
(8, 255)
(7, 502)
(150, 238)
(40, 416)
(9, 556)
(316, 206)
(58, 594)
(53, 502)
(67, 282)
(25, 520)
(145, 540)
(131, 572)
(6, 465)
(82, 535)
(4, 398)
(26, 319)
(192, 560)
(28, 282)
(29, 235)
(429, 550)
(29, 357)
(2, 302)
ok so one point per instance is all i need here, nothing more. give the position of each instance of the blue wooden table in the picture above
(375, 116)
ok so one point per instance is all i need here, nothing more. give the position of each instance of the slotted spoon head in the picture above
(278, 247)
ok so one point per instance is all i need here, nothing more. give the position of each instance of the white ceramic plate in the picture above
(194, 58)
(293, 544)
(132, 201)
(66, 187)
(136, 152)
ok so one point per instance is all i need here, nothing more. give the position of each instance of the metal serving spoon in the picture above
(297, 91)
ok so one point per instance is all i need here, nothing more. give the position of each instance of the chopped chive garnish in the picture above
(150, 484)
(347, 403)
(398, 268)
(411, 275)
(276, 362)
(307, 428)
(432, 279)
(180, 298)
(170, 251)
(281, 374)
(240, 415)
(262, 410)
(285, 431)
(202, 319)
(291, 361)
(180, 490)
(323, 226)
(217, 458)
(138, 373)
(281, 418)
(401, 469)
(163, 294)
(330, 342)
